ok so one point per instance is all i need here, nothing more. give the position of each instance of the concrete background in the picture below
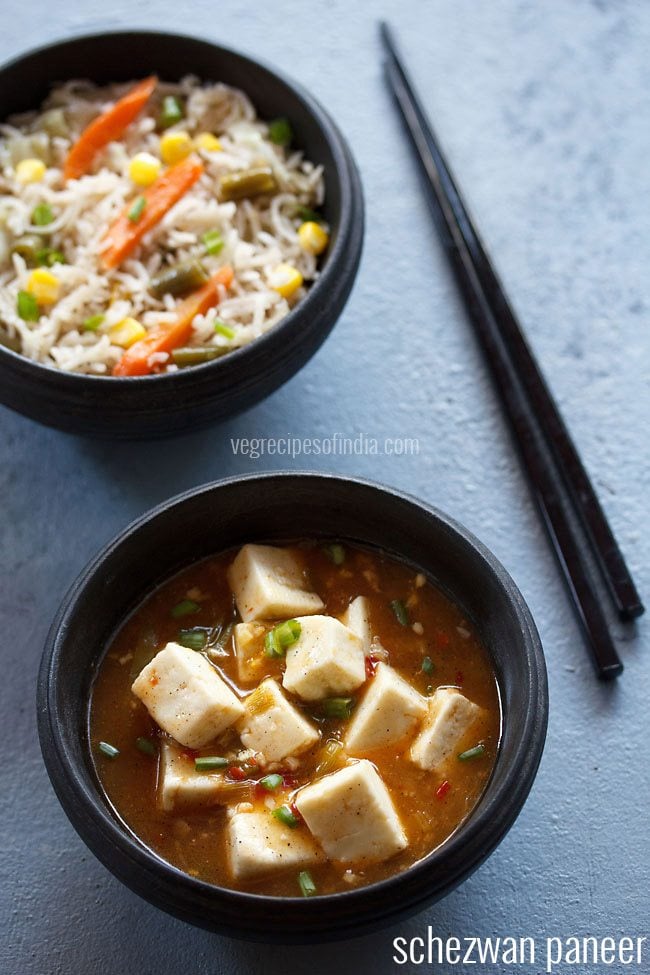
(543, 108)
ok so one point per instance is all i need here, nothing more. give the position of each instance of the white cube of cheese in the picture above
(273, 726)
(357, 618)
(249, 650)
(389, 711)
(180, 785)
(327, 658)
(450, 715)
(185, 695)
(259, 844)
(351, 814)
(268, 583)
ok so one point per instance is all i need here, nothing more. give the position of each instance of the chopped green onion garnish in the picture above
(336, 553)
(110, 751)
(281, 637)
(222, 329)
(171, 112)
(400, 611)
(306, 213)
(27, 307)
(193, 639)
(212, 241)
(184, 608)
(271, 782)
(280, 131)
(146, 746)
(471, 753)
(285, 816)
(137, 209)
(306, 883)
(92, 324)
(42, 215)
(48, 257)
(428, 665)
(337, 707)
(210, 763)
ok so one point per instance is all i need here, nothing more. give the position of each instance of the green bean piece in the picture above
(280, 131)
(27, 307)
(27, 247)
(195, 356)
(210, 763)
(171, 112)
(179, 280)
(248, 182)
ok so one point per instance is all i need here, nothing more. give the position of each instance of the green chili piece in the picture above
(194, 639)
(271, 782)
(210, 763)
(285, 816)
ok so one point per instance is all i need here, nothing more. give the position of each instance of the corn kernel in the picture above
(44, 285)
(126, 332)
(312, 237)
(285, 279)
(175, 146)
(144, 169)
(207, 142)
(30, 170)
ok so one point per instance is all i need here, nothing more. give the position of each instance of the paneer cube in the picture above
(268, 583)
(273, 726)
(450, 716)
(389, 711)
(259, 844)
(351, 814)
(186, 697)
(180, 785)
(249, 651)
(327, 658)
(357, 618)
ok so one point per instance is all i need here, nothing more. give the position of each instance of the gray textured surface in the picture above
(544, 111)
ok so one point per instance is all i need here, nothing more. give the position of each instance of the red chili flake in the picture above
(294, 809)
(442, 789)
(442, 639)
(236, 773)
(459, 679)
(371, 667)
(251, 761)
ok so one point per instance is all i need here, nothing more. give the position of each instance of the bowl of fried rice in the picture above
(180, 228)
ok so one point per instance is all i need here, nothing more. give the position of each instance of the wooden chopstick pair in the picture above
(570, 508)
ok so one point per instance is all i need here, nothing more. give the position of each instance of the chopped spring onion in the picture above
(194, 639)
(210, 763)
(137, 209)
(184, 608)
(27, 307)
(281, 637)
(271, 782)
(476, 752)
(400, 611)
(337, 707)
(280, 131)
(146, 746)
(171, 112)
(92, 324)
(307, 214)
(306, 883)
(284, 815)
(42, 215)
(48, 257)
(428, 665)
(110, 751)
(212, 241)
(336, 553)
(222, 329)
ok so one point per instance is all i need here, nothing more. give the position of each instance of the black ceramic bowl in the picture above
(155, 406)
(268, 507)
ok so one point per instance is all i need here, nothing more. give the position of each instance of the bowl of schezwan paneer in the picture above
(298, 688)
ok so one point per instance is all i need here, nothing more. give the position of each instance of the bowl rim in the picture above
(344, 167)
(488, 822)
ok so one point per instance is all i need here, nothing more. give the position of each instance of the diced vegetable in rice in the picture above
(269, 237)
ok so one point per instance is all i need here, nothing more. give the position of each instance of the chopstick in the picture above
(585, 500)
(537, 455)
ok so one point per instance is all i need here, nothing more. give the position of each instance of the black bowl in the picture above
(156, 406)
(268, 507)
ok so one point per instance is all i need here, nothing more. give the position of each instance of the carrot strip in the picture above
(107, 127)
(127, 231)
(164, 338)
